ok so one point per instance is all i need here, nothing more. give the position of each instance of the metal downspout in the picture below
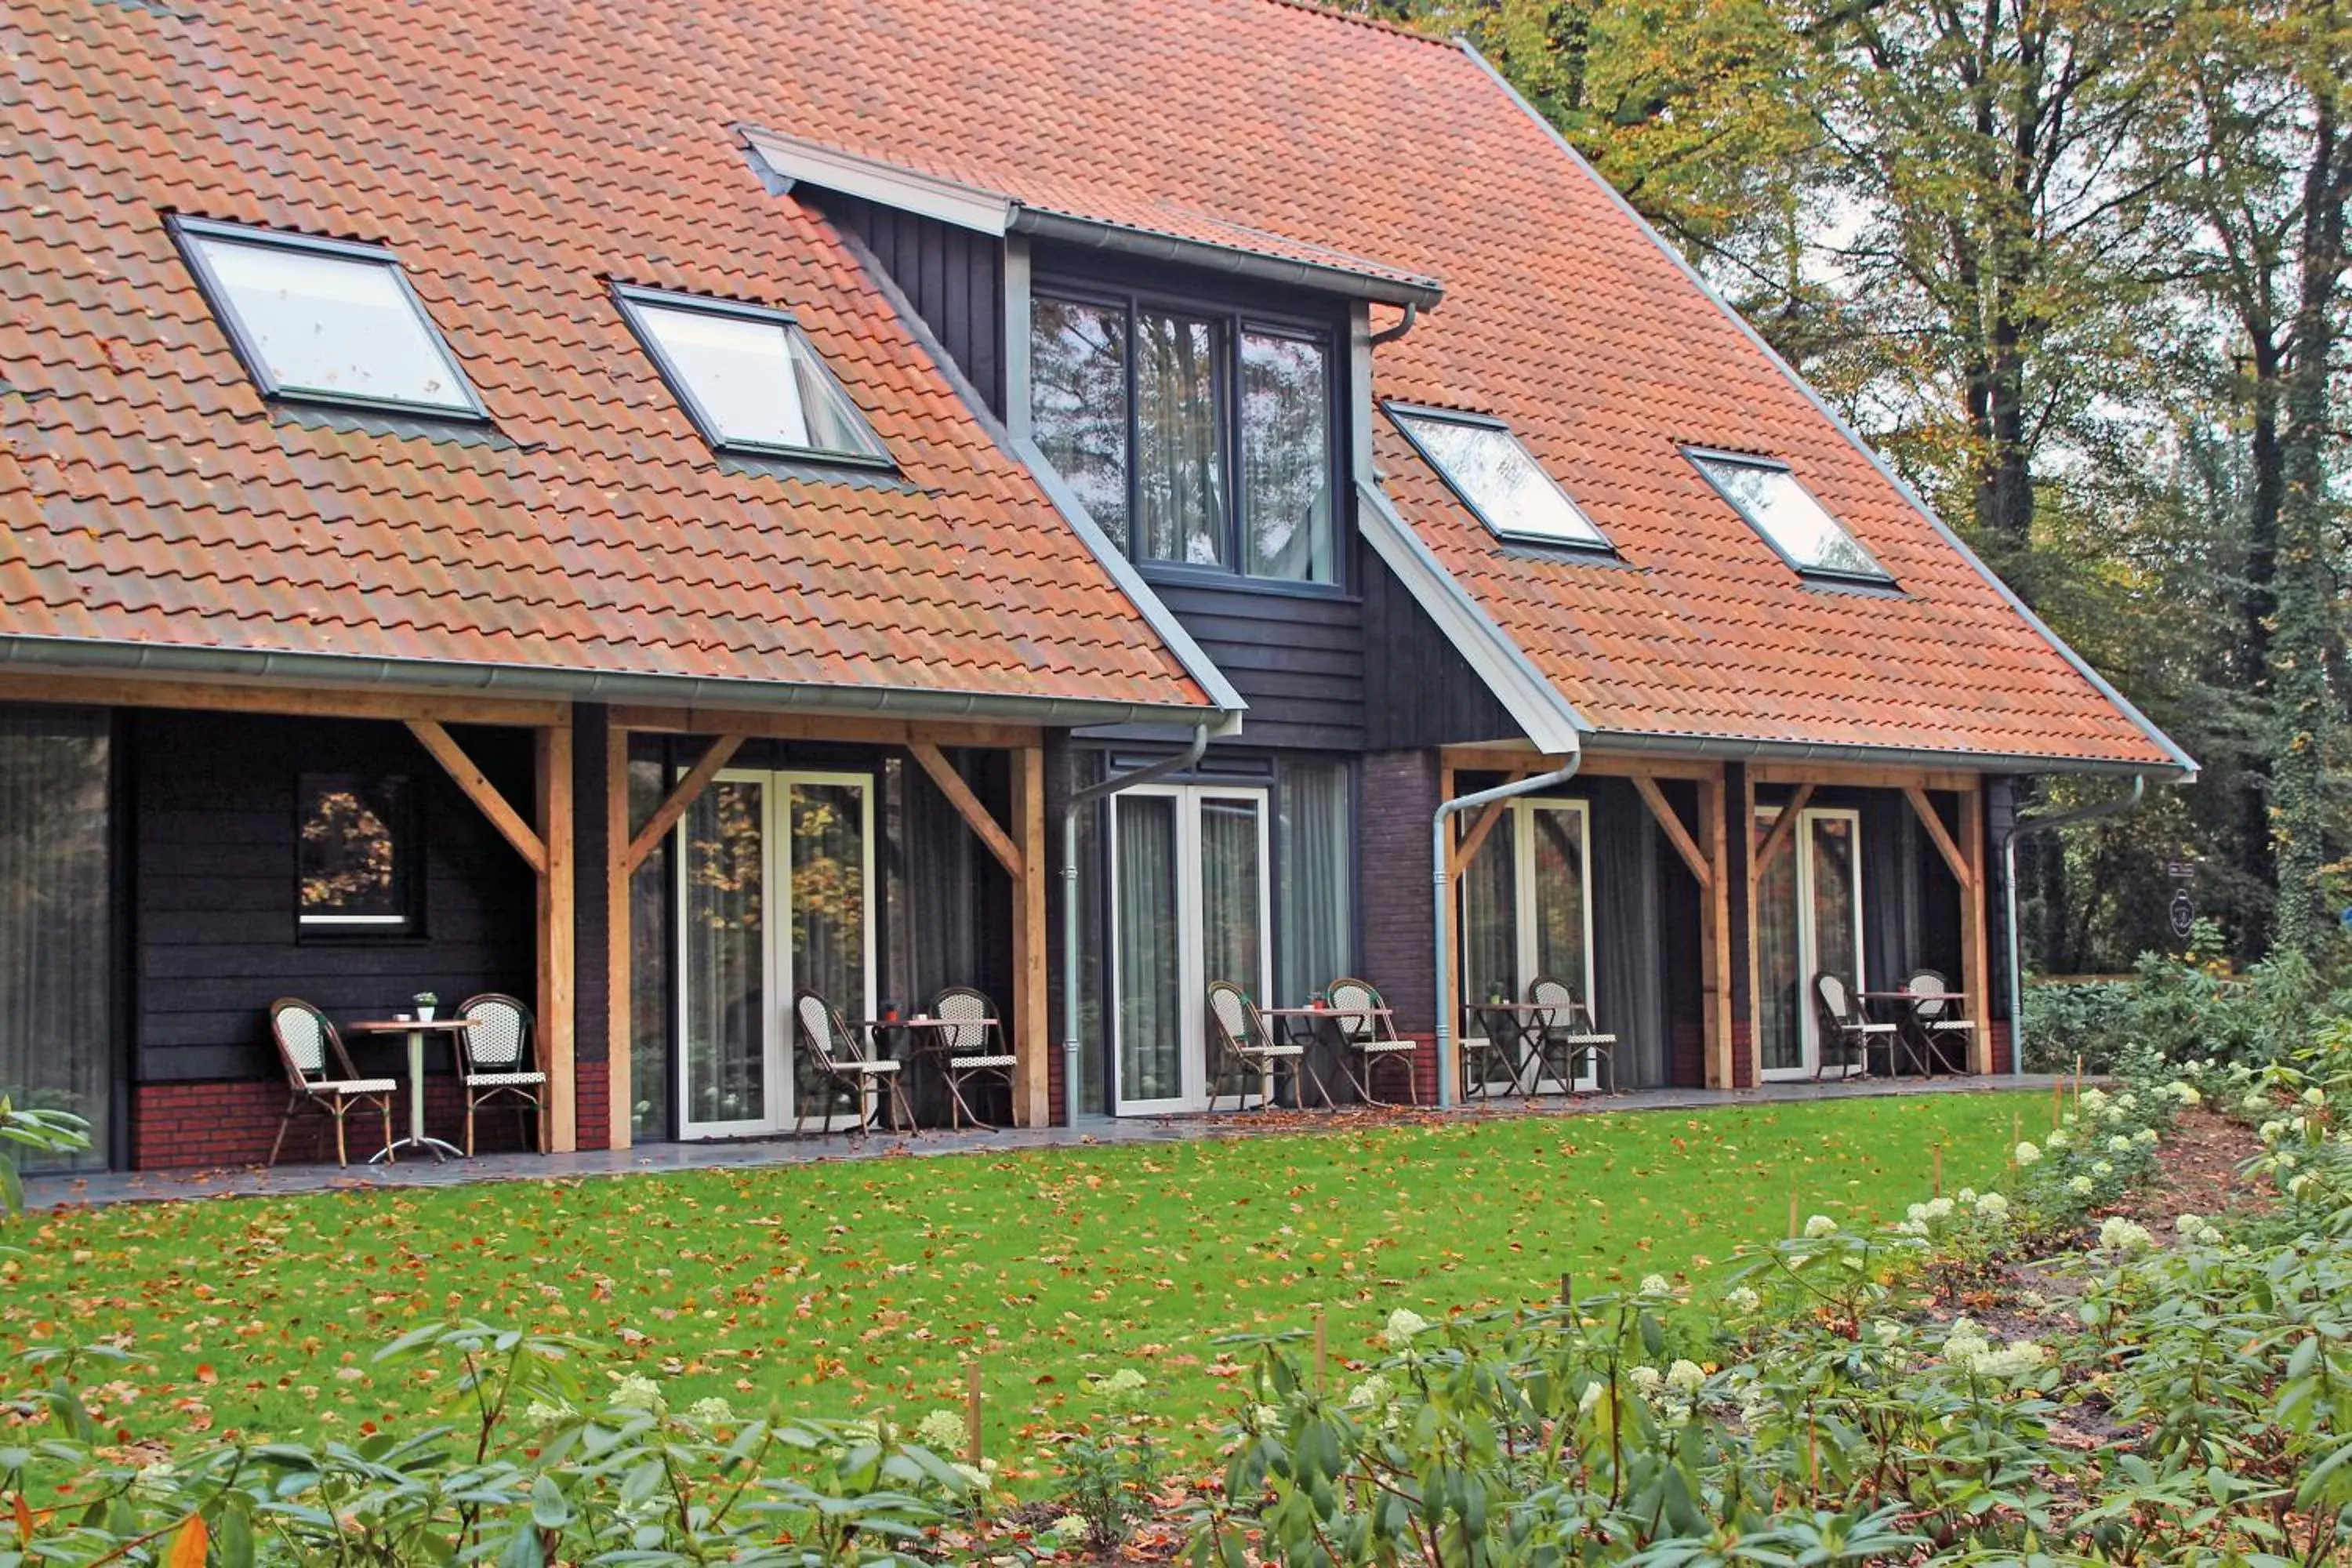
(2018, 828)
(1443, 885)
(1079, 801)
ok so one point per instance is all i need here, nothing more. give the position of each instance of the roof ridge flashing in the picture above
(1375, 23)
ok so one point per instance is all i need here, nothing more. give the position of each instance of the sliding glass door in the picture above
(1526, 898)
(776, 875)
(1807, 922)
(1189, 905)
(55, 922)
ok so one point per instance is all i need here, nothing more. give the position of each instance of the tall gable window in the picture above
(1195, 437)
(750, 379)
(325, 321)
(1792, 522)
(1497, 478)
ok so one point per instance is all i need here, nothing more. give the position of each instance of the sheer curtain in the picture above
(1313, 912)
(1178, 408)
(726, 936)
(1233, 904)
(1150, 985)
(55, 920)
(1780, 1042)
(649, 965)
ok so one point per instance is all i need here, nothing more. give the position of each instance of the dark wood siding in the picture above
(953, 277)
(214, 881)
(1296, 659)
(1418, 690)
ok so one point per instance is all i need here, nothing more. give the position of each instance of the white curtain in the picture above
(55, 920)
(725, 934)
(1150, 1010)
(1313, 901)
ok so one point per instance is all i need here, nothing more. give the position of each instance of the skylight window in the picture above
(749, 378)
(325, 319)
(1497, 478)
(1792, 522)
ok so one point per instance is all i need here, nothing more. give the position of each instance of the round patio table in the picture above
(415, 1029)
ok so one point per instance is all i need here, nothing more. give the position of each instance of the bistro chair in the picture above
(1564, 1025)
(971, 1049)
(493, 1063)
(1845, 1027)
(1245, 1046)
(1931, 1015)
(832, 1051)
(309, 1047)
(1368, 1038)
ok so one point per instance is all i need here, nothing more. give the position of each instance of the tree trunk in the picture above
(2258, 604)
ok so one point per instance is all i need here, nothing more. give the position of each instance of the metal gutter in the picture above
(71, 655)
(1079, 801)
(1439, 850)
(2180, 759)
(791, 159)
(1737, 748)
(2017, 830)
(1534, 703)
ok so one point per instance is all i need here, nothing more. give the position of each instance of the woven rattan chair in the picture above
(1368, 1039)
(837, 1063)
(970, 1049)
(319, 1074)
(1932, 1014)
(1846, 1029)
(495, 1063)
(1562, 1029)
(1246, 1049)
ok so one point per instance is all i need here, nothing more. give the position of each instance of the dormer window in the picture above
(1196, 438)
(750, 379)
(1793, 523)
(325, 321)
(1497, 478)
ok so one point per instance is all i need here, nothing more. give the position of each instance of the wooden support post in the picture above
(1458, 859)
(1715, 932)
(1672, 825)
(1976, 962)
(680, 800)
(551, 753)
(1031, 1027)
(1782, 832)
(975, 815)
(620, 1040)
(477, 788)
(1954, 861)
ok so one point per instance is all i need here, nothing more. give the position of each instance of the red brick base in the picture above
(180, 1125)
(1743, 1055)
(1998, 1035)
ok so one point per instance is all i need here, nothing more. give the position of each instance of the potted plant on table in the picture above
(425, 1004)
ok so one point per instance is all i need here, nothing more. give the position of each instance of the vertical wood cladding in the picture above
(1418, 690)
(953, 277)
(214, 881)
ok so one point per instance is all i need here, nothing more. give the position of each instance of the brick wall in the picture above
(593, 1092)
(179, 1126)
(2003, 1054)
(1400, 797)
(1687, 1054)
(1743, 1055)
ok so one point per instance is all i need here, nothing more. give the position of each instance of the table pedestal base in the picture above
(439, 1151)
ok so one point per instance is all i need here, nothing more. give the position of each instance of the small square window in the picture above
(1497, 478)
(324, 320)
(1792, 522)
(357, 856)
(750, 379)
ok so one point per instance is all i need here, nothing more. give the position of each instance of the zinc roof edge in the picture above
(2180, 760)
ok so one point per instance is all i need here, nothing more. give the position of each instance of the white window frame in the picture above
(1809, 1023)
(1525, 958)
(1191, 964)
(777, 981)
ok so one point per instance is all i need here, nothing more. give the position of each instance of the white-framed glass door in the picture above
(775, 876)
(1807, 922)
(1526, 910)
(1190, 903)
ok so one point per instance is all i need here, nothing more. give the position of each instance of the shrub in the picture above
(2183, 1009)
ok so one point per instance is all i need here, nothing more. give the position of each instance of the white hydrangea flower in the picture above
(2119, 1144)
(637, 1393)
(1916, 1213)
(1940, 1208)
(2127, 1101)
(1070, 1527)
(2027, 1154)
(1647, 1380)
(2102, 1170)
(1911, 1228)
(2057, 1139)
(2302, 1184)
(2314, 1096)
(1992, 1205)
(1740, 1299)
(710, 1411)
(2082, 1186)
(2145, 1138)
(540, 1413)
(1886, 1331)
(2186, 1094)
(1123, 1382)
(2014, 1360)
(2287, 1162)
(1686, 1378)
(2255, 1101)
(2117, 1234)
(1963, 1342)
(1820, 1226)
(977, 1476)
(1267, 1417)
(1968, 1194)
(941, 1429)
(2092, 1097)
(1589, 1397)
(2270, 1132)
(1656, 1285)
(1371, 1394)
(1404, 1324)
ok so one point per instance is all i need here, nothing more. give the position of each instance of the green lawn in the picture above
(864, 1286)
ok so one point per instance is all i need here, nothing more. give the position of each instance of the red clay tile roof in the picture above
(1560, 315)
(515, 158)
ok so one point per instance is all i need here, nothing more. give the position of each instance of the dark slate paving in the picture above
(253, 1181)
